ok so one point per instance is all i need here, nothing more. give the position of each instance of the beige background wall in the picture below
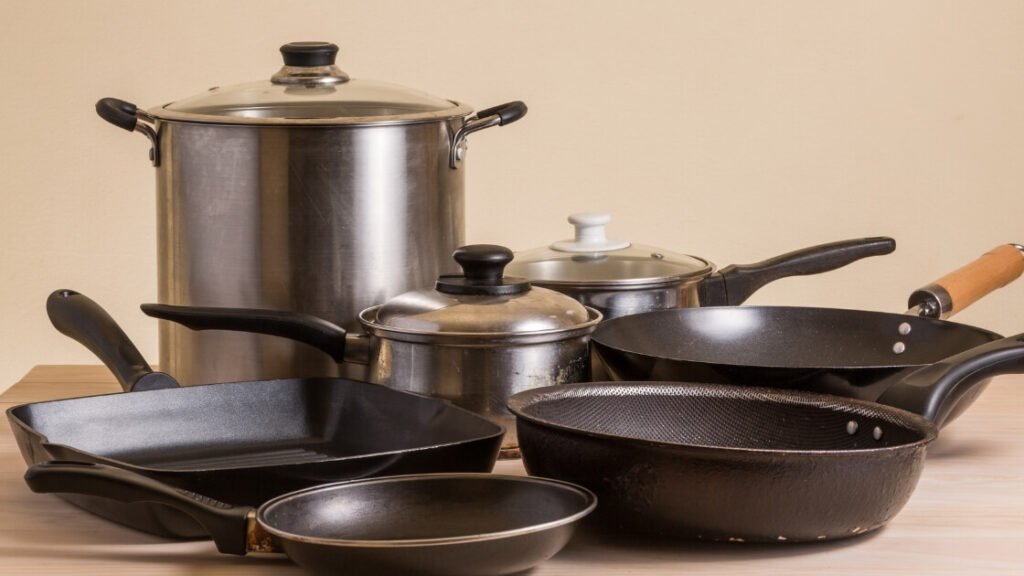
(733, 130)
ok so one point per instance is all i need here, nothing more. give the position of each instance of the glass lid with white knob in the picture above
(592, 259)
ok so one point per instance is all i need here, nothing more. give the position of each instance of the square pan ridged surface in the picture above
(246, 442)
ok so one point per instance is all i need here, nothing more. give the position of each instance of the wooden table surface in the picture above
(966, 516)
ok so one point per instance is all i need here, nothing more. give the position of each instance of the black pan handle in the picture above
(306, 328)
(732, 285)
(79, 318)
(226, 524)
(934, 390)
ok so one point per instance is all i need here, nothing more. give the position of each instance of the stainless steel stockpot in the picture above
(476, 339)
(309, 191)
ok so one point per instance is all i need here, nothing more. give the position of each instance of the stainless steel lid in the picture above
(591, 259)
(481, 301)
(310, 89)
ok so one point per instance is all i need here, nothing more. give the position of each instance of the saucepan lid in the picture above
(481, 300)
(593, 260)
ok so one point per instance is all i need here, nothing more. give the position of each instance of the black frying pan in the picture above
(847, 352)
(737, 463)
(242, 442)
(433, 524)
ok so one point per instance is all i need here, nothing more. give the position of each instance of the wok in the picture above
(851, 353)
(748, 464)
(242, 442)
(431, 524)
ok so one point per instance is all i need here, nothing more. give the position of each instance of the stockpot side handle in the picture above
(934, 390)
(80, 318)
(500, 115)
(325, 336)
(968, 284)
(733, 285)
(226, 524)
(126, 115)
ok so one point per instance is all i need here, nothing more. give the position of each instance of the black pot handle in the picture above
(732, 285)
(126, 115)
(507, 113)
(79, 318)
(325, 336)
(226, 524)
(934, 390)
(118, 112)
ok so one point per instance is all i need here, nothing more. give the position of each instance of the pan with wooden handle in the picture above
(852, 353)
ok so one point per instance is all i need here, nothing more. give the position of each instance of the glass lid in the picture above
(591, 259)
(310, 89)
(482, 300)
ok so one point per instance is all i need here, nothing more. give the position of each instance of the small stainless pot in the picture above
(476, 339)
(619, 278)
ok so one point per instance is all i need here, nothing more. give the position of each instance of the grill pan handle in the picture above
(226, 523)
(79, 318)
(732, 285)
(308, 329)
(933, 391)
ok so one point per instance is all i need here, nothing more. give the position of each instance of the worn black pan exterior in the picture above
(242, 442)
(845, 352)
(736, 463)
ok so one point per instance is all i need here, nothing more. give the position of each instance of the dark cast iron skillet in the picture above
(431, 524)
(853, 353)
(243, 442)
(737, 463)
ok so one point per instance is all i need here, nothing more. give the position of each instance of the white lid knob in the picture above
(590, 235)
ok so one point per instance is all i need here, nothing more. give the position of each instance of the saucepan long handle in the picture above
(732, 285)
(317, 332)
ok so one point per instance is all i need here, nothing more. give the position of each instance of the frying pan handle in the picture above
(79, 318)
(935, 390)
(732, 285)
(226, 524)
(308, 329)
(958, 290)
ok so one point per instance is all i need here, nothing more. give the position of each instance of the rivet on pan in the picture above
(877, 433)
(782, 538)
(899, 348)
(905, 328)
(658, 256)
(851, 427)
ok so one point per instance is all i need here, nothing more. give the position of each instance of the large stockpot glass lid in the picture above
(591, 259)
(482, 300)
(310, 88)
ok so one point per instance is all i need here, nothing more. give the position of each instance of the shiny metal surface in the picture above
(480, 375)
(616, 302)
(326, 221)
(434, 312)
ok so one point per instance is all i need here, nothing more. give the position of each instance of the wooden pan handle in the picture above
(961, 288)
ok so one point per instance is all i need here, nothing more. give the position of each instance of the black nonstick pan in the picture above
(851, 353)
(433, 524)
(737, 463)
(244, 442)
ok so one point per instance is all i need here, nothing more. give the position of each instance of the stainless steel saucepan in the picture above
(476, 339)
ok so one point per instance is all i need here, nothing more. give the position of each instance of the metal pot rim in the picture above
(477, 339)
(458, 110)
